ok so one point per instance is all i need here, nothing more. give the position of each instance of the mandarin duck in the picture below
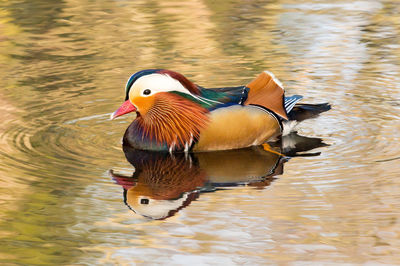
(175, 115)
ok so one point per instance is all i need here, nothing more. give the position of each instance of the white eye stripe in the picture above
(157, 83)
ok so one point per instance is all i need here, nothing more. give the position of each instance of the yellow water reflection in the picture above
(63, 68)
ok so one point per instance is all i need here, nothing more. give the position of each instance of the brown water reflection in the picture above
(162, 184)
(63, 68)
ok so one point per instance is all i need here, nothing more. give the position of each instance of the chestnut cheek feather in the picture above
(173, 120)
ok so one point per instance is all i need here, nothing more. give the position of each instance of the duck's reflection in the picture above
(162, 184)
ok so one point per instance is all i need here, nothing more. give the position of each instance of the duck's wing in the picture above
(267, 91)
(215, 98)
(237, 95)
(305, 111)
(291, 101)
(222, 97)
(264, 91)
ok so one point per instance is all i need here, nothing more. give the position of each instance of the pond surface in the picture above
(67, 195)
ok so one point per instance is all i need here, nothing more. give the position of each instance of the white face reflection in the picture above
(155, 209)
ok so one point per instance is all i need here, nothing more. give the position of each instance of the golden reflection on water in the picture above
(63, 68)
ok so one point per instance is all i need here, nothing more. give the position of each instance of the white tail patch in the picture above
(288, 127)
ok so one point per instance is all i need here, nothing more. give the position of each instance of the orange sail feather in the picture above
(267, 91)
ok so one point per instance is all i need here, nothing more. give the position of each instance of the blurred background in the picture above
(64, 65)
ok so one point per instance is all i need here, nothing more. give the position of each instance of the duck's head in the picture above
(143, 88)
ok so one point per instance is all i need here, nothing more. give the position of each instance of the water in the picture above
(63, 69)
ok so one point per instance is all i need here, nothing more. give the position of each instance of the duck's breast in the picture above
(236, 127)
(135, 138)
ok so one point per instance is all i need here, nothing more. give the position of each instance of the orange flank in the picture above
(236, 127)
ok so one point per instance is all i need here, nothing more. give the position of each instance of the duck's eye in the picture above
(146, 92)
(144, 201)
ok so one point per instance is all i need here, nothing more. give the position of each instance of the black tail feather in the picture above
(305, 111)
